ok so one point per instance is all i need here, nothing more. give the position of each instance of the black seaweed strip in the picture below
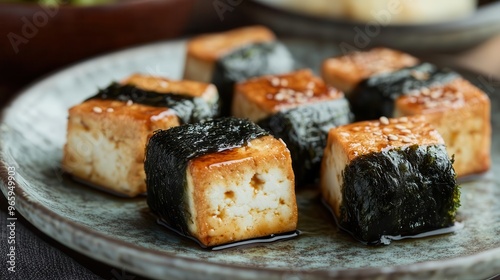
(305, 130)
(375, 96)
(403, 191)
(247, 62)
(189, 109)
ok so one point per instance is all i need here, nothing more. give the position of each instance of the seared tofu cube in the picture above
(376, 96)
(298, 108)
(261, 97)
(204, 51)
(389, 177)
(106, 138)
(461, 113)
(221, 181)
(233, 56)
(347, 71)
(457, 109)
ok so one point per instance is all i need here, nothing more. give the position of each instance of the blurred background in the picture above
(41, 36)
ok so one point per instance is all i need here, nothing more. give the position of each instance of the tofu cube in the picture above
(347, 71)
(261, 97)
(234, 56)
(204, 51)
(106, 138)
(221, 195)
(461, 113)
(388, 178)
(298, 108)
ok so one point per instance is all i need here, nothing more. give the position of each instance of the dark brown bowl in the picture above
(38, 39)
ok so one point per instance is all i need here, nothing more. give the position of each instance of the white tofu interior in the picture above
(334, 162)
(245, 197)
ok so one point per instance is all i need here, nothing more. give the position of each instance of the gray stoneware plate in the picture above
(122, 233)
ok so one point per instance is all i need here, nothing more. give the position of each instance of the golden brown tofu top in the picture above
(357, 66)
(164, 85)
(123, 110)
(241, 155)
(453, 95)
(273, 93)
(366, 137)
(210, 47)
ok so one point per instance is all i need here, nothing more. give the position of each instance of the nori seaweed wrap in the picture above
(305, 129)
(189, 109)
(402, 191)
(375, 96)
(389, 178)
(247, 62)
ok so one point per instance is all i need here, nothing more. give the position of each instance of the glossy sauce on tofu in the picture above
(348, 70)
(438, 98)
(211, 47)
(273, 93)
(374, 136)
(129, 110)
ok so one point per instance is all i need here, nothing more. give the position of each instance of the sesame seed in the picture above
(130, 102)
(412, 100)
(97, 110)
(279, 96)
(345, 134)
(406, 131)
(384, 120)
(392, 137)
(163, 84)
(310, 85)
(275, 82)
(431, 104)
(420, 75)
(309, 93)
(378, 133)
(284, 83)
(110, 110)
(403, 119)
(332, 92)
(400, 127)
(357, 128)
(436, 94)
(413, 92)
(406, 140)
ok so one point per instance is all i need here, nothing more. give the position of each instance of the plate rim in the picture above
(169, 260)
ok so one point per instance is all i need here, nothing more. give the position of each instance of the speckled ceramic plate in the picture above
(121, 232)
